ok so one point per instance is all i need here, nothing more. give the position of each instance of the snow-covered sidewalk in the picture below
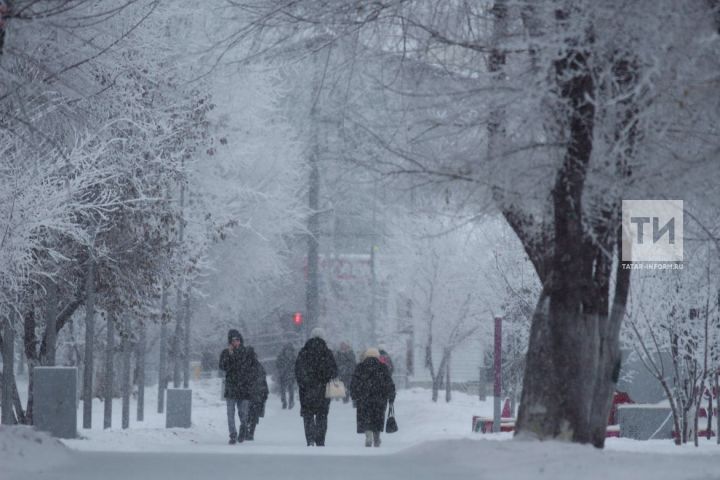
(434, 441)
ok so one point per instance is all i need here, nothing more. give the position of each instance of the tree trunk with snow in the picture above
(563, 352)
(108, 380)
(8, 372)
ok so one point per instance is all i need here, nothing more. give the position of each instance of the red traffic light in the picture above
(298, 318)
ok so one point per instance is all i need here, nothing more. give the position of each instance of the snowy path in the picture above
(434, 442)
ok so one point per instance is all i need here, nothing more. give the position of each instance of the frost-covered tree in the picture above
(552, 112)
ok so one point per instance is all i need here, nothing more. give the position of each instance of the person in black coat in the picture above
(234, 362)
(258, 393)
(285, 366)
(372, 390)
(345, 359)
(314, 368)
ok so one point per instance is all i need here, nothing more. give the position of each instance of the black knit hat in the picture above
(234, 334)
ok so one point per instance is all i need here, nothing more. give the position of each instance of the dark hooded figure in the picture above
(314, 368)
(345, 359)
(285, 365)
(372, 389)
(235, 364)
(258, 393)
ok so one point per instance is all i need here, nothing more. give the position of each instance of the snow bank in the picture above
(23, 449)
(526, 460)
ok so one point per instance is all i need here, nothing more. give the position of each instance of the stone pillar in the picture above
(55, 400)
(178, 408)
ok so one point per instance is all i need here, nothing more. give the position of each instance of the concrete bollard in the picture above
(55, 400)
(178, 408)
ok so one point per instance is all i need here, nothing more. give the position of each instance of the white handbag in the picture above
(335, 389)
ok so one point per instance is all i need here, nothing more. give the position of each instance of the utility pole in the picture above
(89, 363)
(312, 294)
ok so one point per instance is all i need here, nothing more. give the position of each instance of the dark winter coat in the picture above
(285, 364)
(258, 388)
(314, 368)
(346, 363)
(238, 373)
(372, 389)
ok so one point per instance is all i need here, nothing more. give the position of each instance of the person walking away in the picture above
(314, 368)
(258, 393)
(372, 390)
(284, 365)
(345, 359)
(385, 358)
(233, 361)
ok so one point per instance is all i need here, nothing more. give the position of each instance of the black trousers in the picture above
(315, 429)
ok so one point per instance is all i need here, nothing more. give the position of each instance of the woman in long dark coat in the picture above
(372, 389)
(314, 368)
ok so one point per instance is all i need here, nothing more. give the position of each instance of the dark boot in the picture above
(251, 432)
(309, 424)
(233, 440)
(376, 439)
(320, 430)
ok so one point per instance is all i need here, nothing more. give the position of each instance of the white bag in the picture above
(335, 389)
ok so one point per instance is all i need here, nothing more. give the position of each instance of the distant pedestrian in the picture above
(372, 389)
(258, 393)
(234, 362)
(345, 359)
(314, 368)
(385, 358)
(285, 369)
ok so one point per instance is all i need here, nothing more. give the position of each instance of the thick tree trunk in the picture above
(109, 373)
(563, 353)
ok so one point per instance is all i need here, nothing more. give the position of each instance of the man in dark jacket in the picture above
(285, 366)
(372, 389)
(258, 393)
(234, 362)
(345, 359)
(314, 368)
